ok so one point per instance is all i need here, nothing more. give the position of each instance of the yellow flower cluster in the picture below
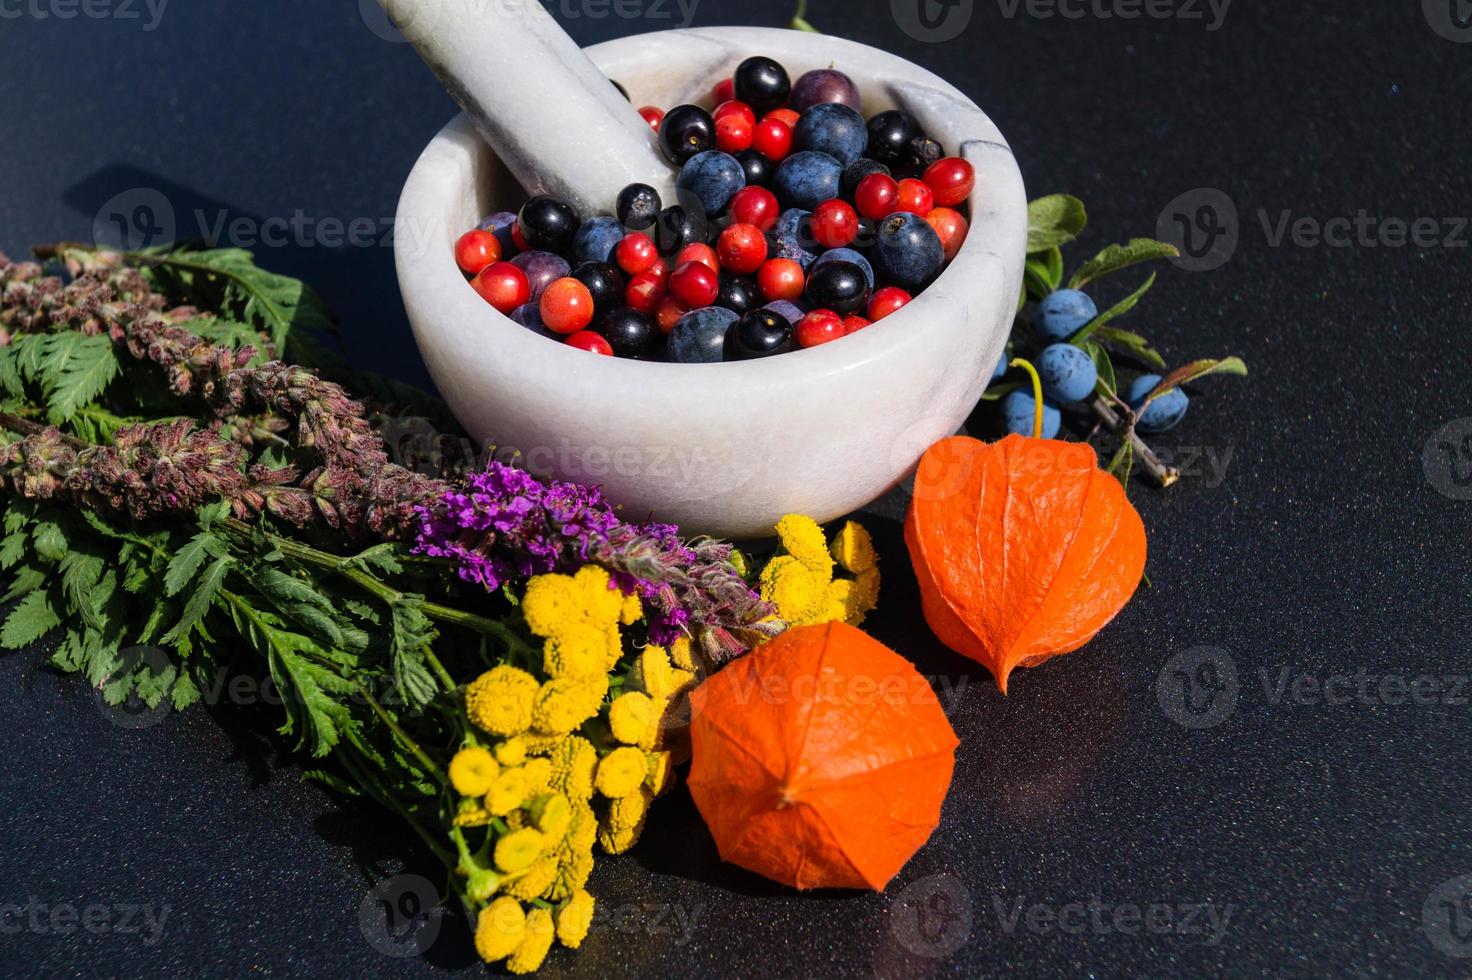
(552, 766)
(800, 582)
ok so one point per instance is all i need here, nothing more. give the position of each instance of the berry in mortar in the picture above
(792, 237)
(712, 178)
(758, 168)
(738, 293)
(780, 279)
(907, 252)
(503, 285)
(591, 342)
(855, 172)
(605, 284)
(772, 138)
(677, 227)
(477, 249)
(547, 224)
(762, 84)
(694, 284)
(835, 223)
(807, 179)
(848, 255)
(890, 134)
(685, 131)
(636, 253)
(834, 129)
(760, 333)
(629, 333)
(823, 85)
(541, 268)
(638, 206)
(742, 249)
(700, 336)
(837, 286)
(699, 252)
(596, 239)
(755, 206)
(819, 327)
(566, 306)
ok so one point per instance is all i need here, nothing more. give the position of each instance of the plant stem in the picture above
(1125, 430)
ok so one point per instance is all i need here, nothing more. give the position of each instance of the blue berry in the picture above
(529, 315)
(807, 179)
(907, 251)
(847, 255)
(1061, 314)
(792, 237)
(835, 129)
(1017, 414)
(499, 224)
(1068, 373)
(596, 240)
(700, 335)
(1161, 414)
(713, 178)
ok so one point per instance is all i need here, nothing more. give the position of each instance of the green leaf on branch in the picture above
(200, 599)
(35, 616)
(1193, 372)
(1132, 343)
(1116, 258)
(188, 559)
(1107, 384)
(1053, 221)
(76, 370)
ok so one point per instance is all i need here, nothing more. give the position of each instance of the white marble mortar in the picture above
(722, 449)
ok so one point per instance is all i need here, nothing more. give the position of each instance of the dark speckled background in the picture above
(1323, 546)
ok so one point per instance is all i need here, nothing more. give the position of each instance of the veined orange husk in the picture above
(820, 759)
(1024, 548)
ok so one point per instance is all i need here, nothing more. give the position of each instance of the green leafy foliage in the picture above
(1195, 371)
(1117, 258)
(1054, 221)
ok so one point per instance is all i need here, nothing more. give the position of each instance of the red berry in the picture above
(819, 327)
(772, 139)
(876, 195)
(645, 292)
(698, 252)
(915, 197)
(566, 305)
(653, 115)
(668, 314)
(518, 239)
(734, 108)
(951, 226)
(835, 223)
(756, 206)
(503, 285)
(636, 253)
(742, 249)
(854, 323)
(788, 117)
(660, 269)
(591, 342)
(724, 91)
(952, 180)
(733, 134)
(780, 279)
(885, 301)
(695, 285)
(477, 249)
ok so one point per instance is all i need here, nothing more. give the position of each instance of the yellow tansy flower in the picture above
(621, 772)
(537, 879)
(574, 865)
(550, 602)
(552, 814)
(802, 538)
(500, 700)
(621, 828)
(473, 771)
(573, 763)
(499, 929)
(535, 942)
(604, 602)
(507, 793)
(511, 752)
(538, 773)
(564, 703)
(794, 588)
(652, 674)
(630, 716)
(518, 849)
(853, 549)
(574, 919)
(632, 609)
(575, 651)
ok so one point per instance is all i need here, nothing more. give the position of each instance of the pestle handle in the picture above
(554, 119)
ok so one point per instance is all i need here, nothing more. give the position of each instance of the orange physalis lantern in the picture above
(820, 759)
(1024, 549)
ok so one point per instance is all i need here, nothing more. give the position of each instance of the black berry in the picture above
(762, 84)
(676, 228)
(760, 333)
(685, 131)
(857, 171)
(738, 293)
(547, 224)
(889, 136)
(638, 206)
(629, 332)
(838, 286)
(604, 282)
(758, 168)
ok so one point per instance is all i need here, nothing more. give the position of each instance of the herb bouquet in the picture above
(190, 490)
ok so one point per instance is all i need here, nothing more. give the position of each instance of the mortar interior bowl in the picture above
(721, 449)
